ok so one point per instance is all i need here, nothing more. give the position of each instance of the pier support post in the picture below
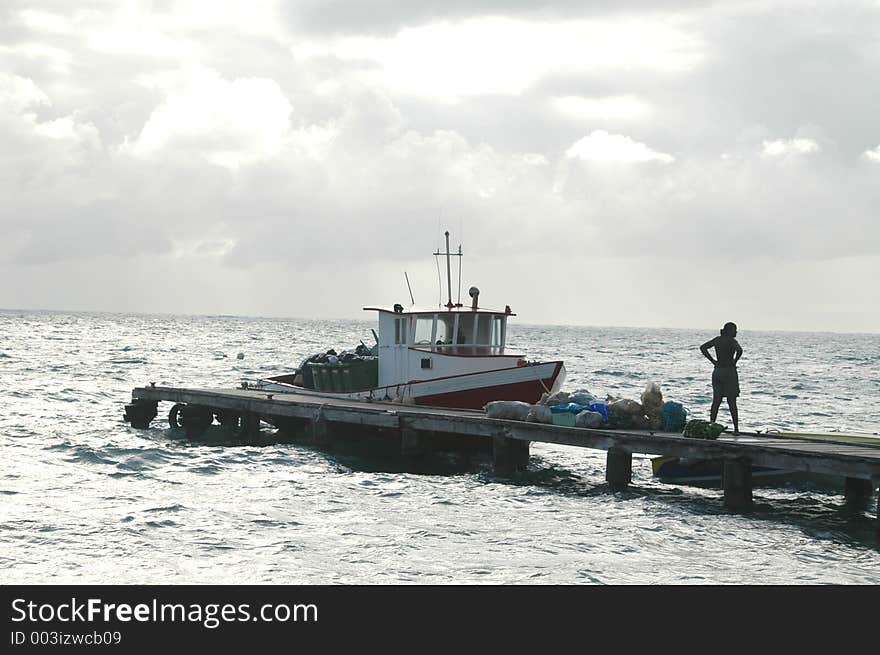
(412, 443)
(509, 455)
(321, 433)
(247, 427)
(856, 491)
(736, 477)
(618, 469)
(195, 419)
(140, 412)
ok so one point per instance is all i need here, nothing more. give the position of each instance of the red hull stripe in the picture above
(529, 391)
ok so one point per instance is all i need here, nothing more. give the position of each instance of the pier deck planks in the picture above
(791, 453)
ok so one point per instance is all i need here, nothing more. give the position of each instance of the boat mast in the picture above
(448, 271)
(449, 256)
(458, 302)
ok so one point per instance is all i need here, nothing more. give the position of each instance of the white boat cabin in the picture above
(425, 344)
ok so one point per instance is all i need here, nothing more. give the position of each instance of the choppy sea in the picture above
(84, 498)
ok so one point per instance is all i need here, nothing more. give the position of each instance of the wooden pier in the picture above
(420, 429)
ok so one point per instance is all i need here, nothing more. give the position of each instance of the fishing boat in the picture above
(445, 356)
(707, 472)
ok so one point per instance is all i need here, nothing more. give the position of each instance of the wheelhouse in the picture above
(462, 332)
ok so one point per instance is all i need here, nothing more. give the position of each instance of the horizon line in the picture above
(349, 318)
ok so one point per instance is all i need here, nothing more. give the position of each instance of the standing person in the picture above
(725, 380)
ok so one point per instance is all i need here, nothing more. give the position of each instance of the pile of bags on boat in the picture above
(582, 409)
(362, 354)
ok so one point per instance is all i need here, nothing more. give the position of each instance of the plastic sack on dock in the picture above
(601, 408)
(540, 414)
(625, 414)
(558, 398)
(588, 419)
(574, 408)
(582, 397)
(697, 429)
(652, 403)
(626, 406)
(674, 416)
(509, 409)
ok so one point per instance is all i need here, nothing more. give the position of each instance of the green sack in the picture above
(698, 429)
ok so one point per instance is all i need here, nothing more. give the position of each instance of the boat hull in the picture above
(467, 391)
(702, 472)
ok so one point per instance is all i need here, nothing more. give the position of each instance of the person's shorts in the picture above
(725, 382)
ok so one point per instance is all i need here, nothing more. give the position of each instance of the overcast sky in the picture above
(670, 164)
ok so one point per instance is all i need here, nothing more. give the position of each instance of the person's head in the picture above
(729, 330)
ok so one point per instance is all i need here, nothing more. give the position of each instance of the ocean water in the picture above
(85, 498)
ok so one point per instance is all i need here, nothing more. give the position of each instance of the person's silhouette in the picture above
(725, 379)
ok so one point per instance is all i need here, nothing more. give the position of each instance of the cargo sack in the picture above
(558, 398)
(540, 414)
(573, 408)
(652, 401)
(674, 416)
(626, 406)
(588, 419)
(582, 397)
(602, 408)
(509, 409)
(697, 429)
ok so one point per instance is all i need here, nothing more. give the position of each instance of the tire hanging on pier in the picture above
(174, 416)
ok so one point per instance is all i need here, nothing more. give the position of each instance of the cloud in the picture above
(21, 100)
(260, 143)
(872, 155)
(390, 16)
(19, 93)
(601, 147)
(609, 109)
(229, 123)
(497, 55)
(792, 147)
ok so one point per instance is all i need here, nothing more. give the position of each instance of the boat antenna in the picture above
(449, 256)
(439, 283)
(448, 271)
(410, 288)
(459, 276)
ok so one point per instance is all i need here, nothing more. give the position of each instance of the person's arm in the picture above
(705, 350)
(737, 353)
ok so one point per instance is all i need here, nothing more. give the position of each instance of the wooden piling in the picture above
(618, 469)
(509, 455)
(140, 412)
(857, 490)
(249, 427)
(736, 478)
(413, 444)
(321, 433)
(196, 419)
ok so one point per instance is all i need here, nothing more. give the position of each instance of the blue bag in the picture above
(674, 416)
(574, 408)
(602, 408)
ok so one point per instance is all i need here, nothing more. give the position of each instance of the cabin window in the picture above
(400, 330)
(497, 331)
(424, 330)
(445, 329)
(465, 333)
(484, 329)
